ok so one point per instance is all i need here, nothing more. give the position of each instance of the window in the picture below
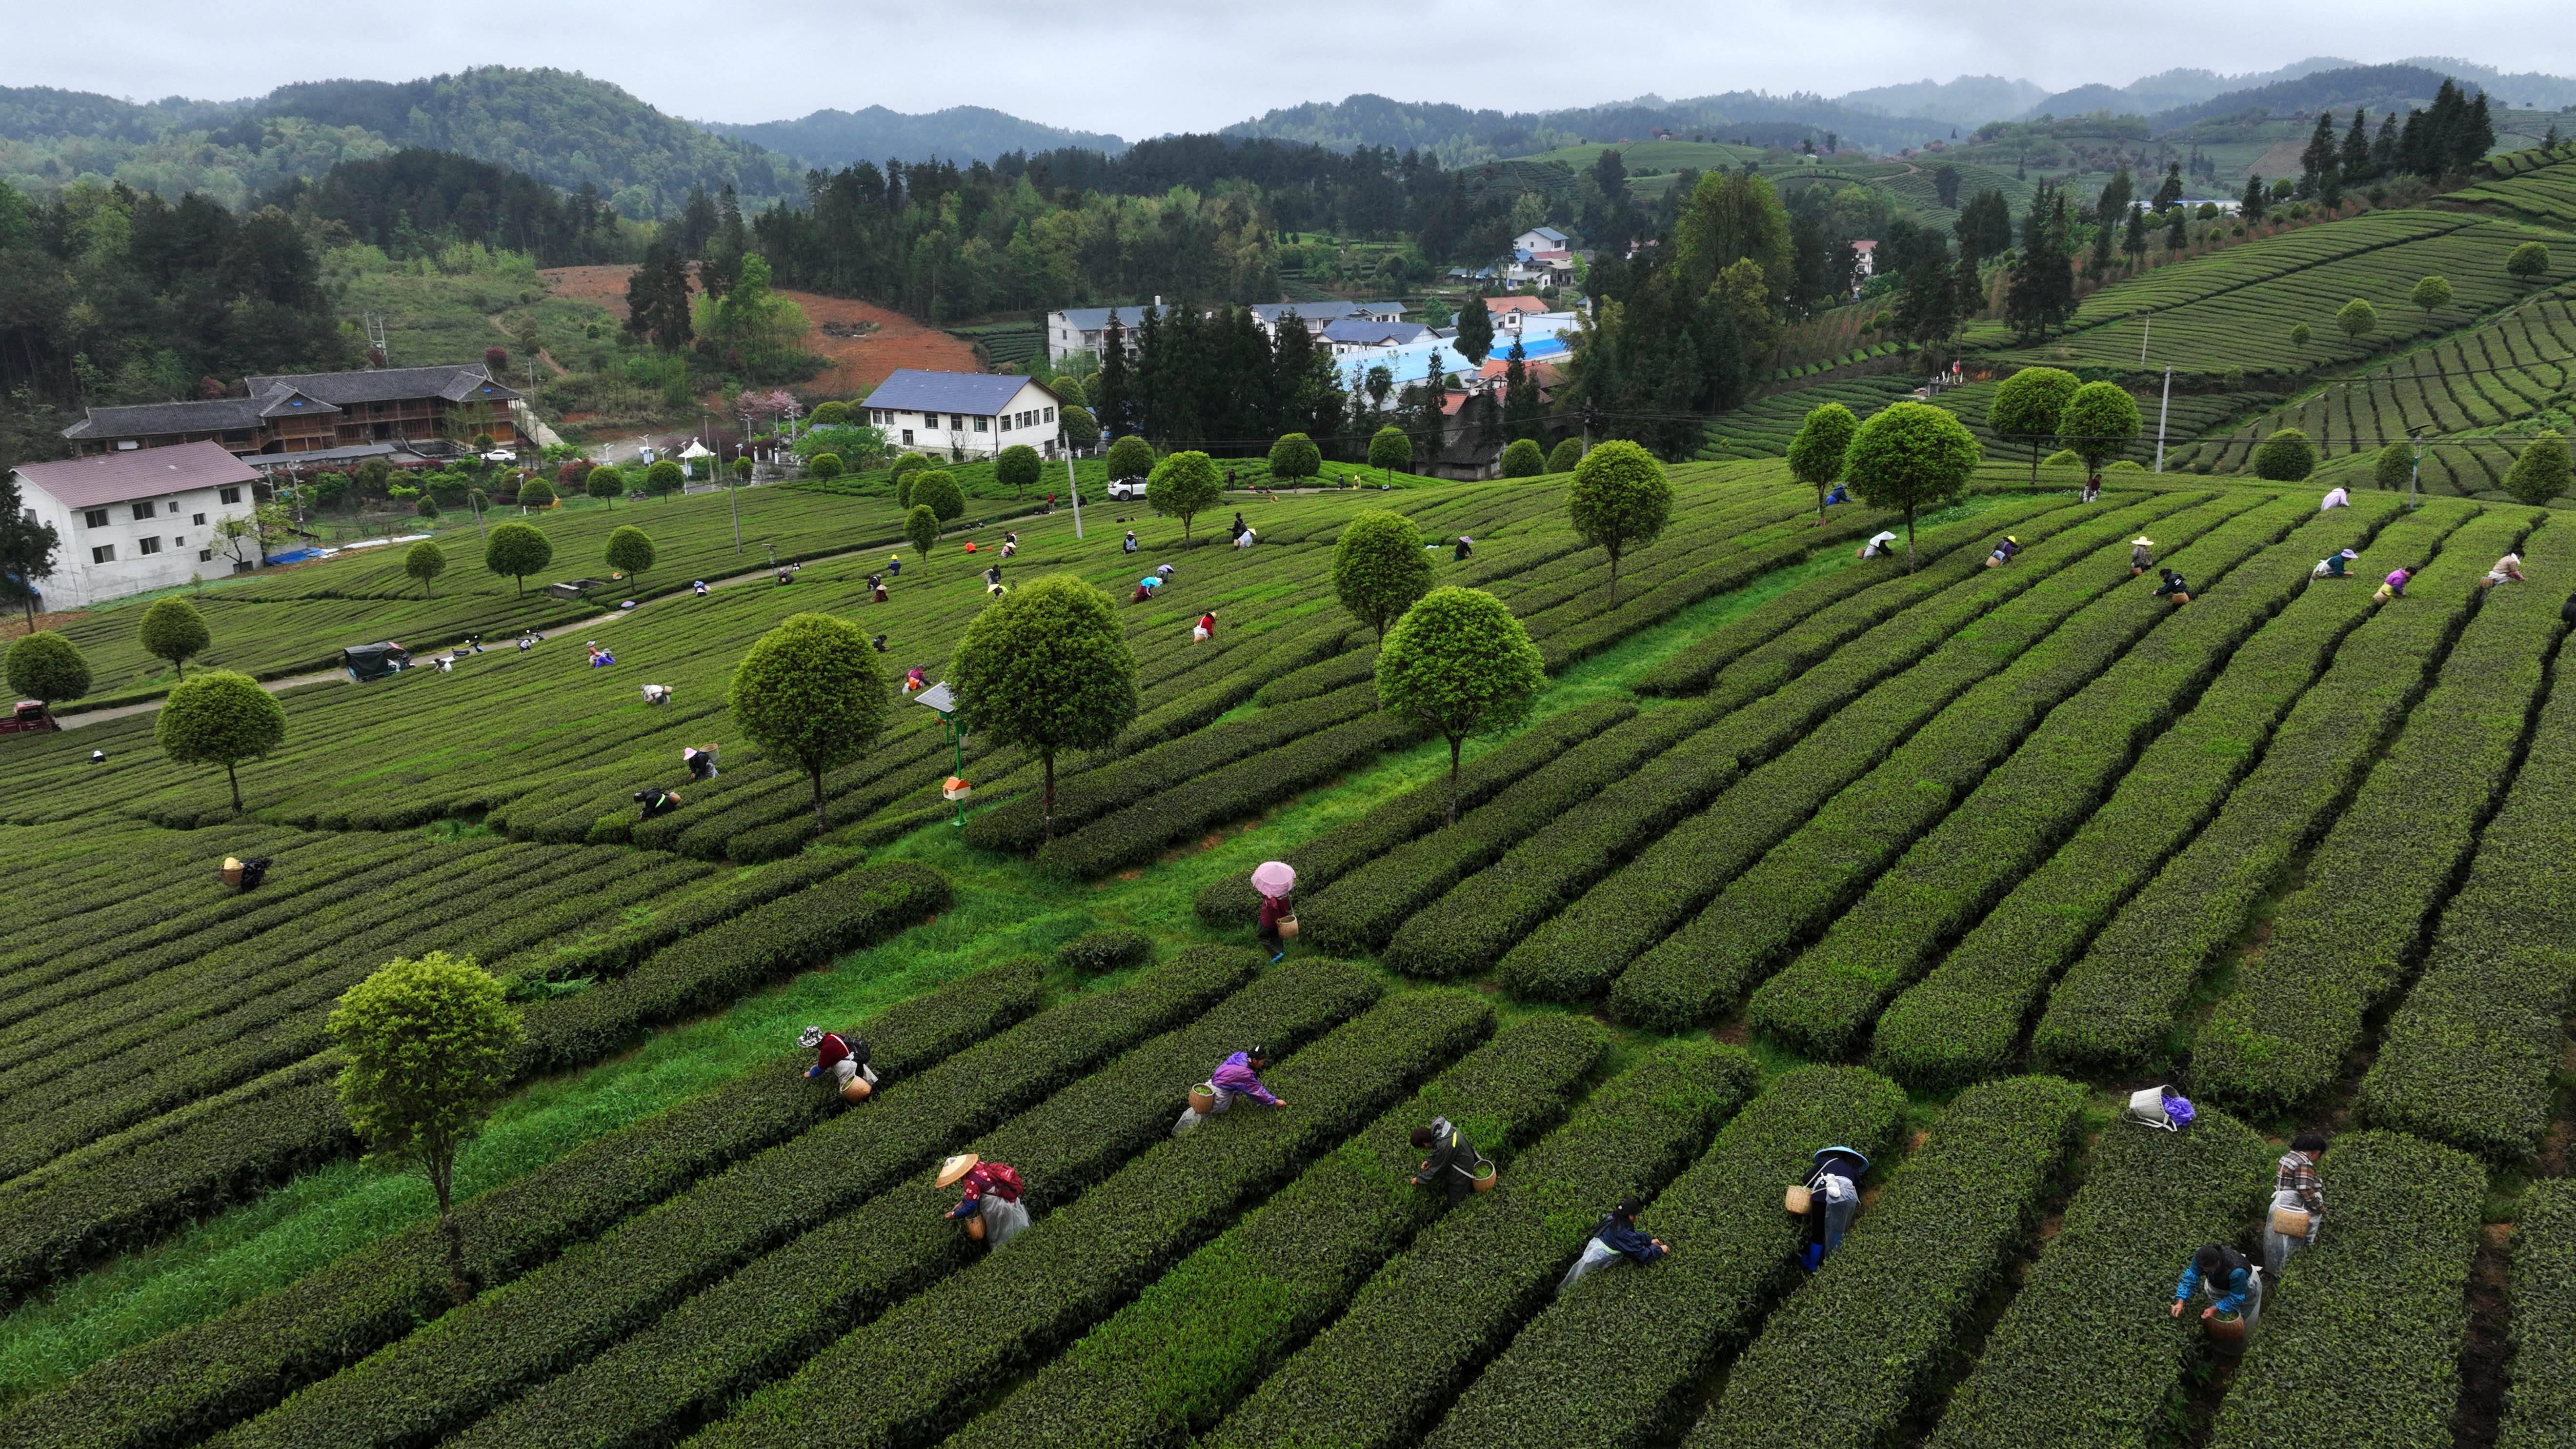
(907, 437)
(94, 517)
(104, 553)
(197, 520)
(1050, 415)
(149, 545)
(956, 422)
(143, 510)
(228, 495)
(983, 425)
(205, 555)
(178, 542)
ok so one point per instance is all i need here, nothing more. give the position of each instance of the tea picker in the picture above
(657, 802)
(1828, 1199)
(1615, 1238)
(1879, 545)
(843, 1059)
(2235, 1292)
(1274, 879)
(1238, 1076)
(701, 760)
(991, 1208)
(1453, 1162)
(2298, 1202)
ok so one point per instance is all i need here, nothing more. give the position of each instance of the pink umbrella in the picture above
(1274, 878)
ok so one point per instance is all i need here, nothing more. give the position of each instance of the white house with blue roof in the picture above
(1086, 329)
(973, 414)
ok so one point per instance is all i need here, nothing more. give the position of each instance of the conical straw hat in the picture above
(956, 1167)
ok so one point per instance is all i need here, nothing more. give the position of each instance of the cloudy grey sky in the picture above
(1142, 67)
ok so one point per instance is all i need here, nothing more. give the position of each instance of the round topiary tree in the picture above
(1131, 457)
(46, 666)
(1567, 455)
(921, 528)
(1912, 457)
(2299, 335)
(742, 470)
(2027, 406)
(2063, 458)
(902, 474)
(425, 561)
(1380, 567)
(2528, 262)
(1046, 668)
(1459, 664)
(174, 630)
(2430, 294)
(516, 550)
(1522, 459)
(665, 478)
(2285, 457)
(829, 415)
(809, 692)
(1619, 501)
(222, 718)
(537, 493)
(2395, 467)
(1293, 457)
(825, 466)
(2357, 319)
(424, 1048)
(1068, 390)
(1181, 485)
(2541, 472)
(1816, 454)
(1018, 469)
(2100, 422)
(605, 484)
(1389, 450)
(630, 549)
(935, 490)
(1080, 428)
(426, 508)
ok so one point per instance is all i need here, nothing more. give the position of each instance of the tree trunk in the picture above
(236, 784)
(819, 824)
(1046, 802)
(1614, 576)
(1909, 538)
(2034, 462)
(1453, 779)
(441, 1179)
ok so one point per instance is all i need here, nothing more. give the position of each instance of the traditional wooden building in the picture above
(314, 411)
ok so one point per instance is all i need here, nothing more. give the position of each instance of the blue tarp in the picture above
(294, 555)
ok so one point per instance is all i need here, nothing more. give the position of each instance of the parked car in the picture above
(1127, 490)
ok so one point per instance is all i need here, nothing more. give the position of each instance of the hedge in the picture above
(2087, 1356)
(2470, 1055)
(2347, 938)
(187, 1384)
(1323, 677)
(2360, 1346)
(783, 1308)
(1580, 954)
(1238, 680)
(1930, 795)
(2540, 1403)
(617, 951)
(460, 1366)
(908, 1376)
(1964, 1021)
(1382, 1373)
(1844, 1359)
(1168, 1365)
(1612, 1365)
(1360, 910)
(1328, 857)
(2120, 1003)
(1110, 949)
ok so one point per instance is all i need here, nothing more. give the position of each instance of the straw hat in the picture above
(955, 1168)
(2143, 541)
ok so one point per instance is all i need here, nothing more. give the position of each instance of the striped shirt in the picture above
(2297, 1173)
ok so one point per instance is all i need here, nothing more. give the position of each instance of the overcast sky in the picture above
(1143, 67)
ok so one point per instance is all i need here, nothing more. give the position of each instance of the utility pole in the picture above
(1073, 490)
(2147, 330)
(2414, 466)
(2162, 412)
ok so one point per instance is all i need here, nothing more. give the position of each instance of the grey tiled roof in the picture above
(454, 382)
(143, 420)
(983, 394)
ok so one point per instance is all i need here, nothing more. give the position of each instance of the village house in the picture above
(964, 414)
(318, 412)
(141, 519)
(1086, 329)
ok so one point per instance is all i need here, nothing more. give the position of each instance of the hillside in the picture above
(960, 133)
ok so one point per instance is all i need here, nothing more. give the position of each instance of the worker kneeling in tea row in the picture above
(991, 1207)
(843, 1059)
(1237, 1076)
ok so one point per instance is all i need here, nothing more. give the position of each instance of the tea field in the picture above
(1794, 849)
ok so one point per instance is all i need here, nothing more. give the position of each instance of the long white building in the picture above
(137, 520)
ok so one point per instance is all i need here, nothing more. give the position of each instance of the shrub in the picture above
(1294, 456)
(1858, 1343)
(1131, 457)
(44, 665)
(2063, 458)
(174, 630)
(1566, 456)
(536, 493)
(935, 490)
(825, 466)
(2285, 457)
(831, 414)
(2541, 1404)
(1110, 949)
(2540, 471)
(1522, 458)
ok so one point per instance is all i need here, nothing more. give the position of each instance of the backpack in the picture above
(858, 1046)
(1006, 1180)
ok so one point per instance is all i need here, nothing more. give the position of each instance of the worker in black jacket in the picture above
(1452, 1163)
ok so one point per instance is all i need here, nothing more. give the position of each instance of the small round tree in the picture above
(2027, 407)
(1816, 454)
(1131, 457)
(1523, 459)
(604, 484)
(1181, 485)
(825, 466)
(1380, 567)
(1018, 468)
(425, 561)
(1046, 668)
(902, 475)
(222, 718)
(2430, 294)
(2357, 319)
(2285, 457)
(537, 493)
(2528, 262)
(1080, 428)
(1295, 456)
(2100, 422)
(630, 549)
(829, 415)
(174, 630)
(2395, 467)
(921, 528)
(46, 666)
(1389, 450)
(1567, 455)
(665, 478)
(742, 470)
(516, 550)
(424, 1048)
(809, 692)
(1619, 501)
(937, 491)
(2541, 473)
(426, 507)
(1460, 665)
(1912, 457)
(2299, 335)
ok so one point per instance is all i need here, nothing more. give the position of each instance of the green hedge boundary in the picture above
(2540, 1401)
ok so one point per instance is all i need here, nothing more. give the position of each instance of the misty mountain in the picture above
(2173, 89)
(1458, 135)
(1969, 101)
(2376, 88)
(959, 133)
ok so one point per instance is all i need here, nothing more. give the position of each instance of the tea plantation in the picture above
(1794, 849)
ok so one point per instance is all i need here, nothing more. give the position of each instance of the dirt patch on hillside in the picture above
(864, 341)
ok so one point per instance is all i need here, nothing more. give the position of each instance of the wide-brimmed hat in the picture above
(810, 1038)
(2143, 541)
(1852, 1152)
(955, 1168)
(2008, 538)
(1274, 878)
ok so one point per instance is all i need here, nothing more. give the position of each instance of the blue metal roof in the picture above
(981, 393)
(1370, 334)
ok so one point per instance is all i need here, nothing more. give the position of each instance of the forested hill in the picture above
(833, 139)
(1458, 135)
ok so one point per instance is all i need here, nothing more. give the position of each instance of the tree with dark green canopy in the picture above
(516, 550)
(48, 667)
(2099, 423)
(2528, 262)
(2357, 319)
(1620, 500)
(1912, 457)
(2541, 472)
(1390, 449)
(664, 478)
(1816, 454)
(222, 718)
(1475, 337)
(2431, 294)
(1565, 456)
(1131, 457)
(1046, 668)
(1522, 459)
(425, 561)
(1019, 467)
(630, 549)
(2027, 408)
(1295, 456)
(2285, 457)
(921, 528)
(1182, 485)
(174, 630)
(1461, 665)
(810, 694)
(1380, 567)
(936, 490)
(604, 483)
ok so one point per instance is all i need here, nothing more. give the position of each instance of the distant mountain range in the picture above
(959, 133)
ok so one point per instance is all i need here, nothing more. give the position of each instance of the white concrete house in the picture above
(974, 413)
(136, 520)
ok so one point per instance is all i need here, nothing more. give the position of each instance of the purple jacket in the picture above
(1236, 1076)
